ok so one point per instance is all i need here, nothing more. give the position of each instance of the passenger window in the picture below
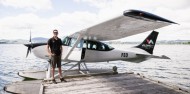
(94, 45)
(88, 46)
(84, 45)
(102, 47)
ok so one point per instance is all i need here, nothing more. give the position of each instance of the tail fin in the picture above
(149, 43)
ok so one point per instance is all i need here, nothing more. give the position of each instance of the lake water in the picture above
(175, 71)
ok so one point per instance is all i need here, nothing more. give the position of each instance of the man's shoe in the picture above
(62, 79)
(53, 81)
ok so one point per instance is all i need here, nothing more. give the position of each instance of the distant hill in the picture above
(22, 41)
(39, 40)
(17, 41)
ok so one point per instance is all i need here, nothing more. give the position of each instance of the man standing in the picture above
(54, 48)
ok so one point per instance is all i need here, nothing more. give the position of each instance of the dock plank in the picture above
(25, 87)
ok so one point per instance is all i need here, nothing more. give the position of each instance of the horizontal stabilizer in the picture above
(142, 57)
(160, 57)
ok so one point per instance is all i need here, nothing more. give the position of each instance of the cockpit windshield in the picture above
(68, 41)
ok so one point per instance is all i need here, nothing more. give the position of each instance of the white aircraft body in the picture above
(95, 51)
(86, 46)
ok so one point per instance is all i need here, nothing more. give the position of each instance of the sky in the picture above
(19, 17)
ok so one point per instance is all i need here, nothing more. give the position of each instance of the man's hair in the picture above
(55, 30)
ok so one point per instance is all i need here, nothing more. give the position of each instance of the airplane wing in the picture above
(130, 23)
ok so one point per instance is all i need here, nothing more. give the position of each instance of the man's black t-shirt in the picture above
(55, 46)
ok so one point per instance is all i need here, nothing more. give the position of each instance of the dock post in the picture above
(79, 65)
(115, 70)
(48, 72)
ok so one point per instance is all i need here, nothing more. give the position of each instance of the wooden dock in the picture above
(124, 83)
(110, 84)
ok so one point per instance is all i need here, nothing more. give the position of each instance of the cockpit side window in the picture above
(73, 40)
(80, 43)
(66, 41)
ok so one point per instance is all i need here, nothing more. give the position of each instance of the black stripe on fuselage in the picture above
(33, 45)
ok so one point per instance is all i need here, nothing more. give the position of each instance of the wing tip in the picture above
(142, 14)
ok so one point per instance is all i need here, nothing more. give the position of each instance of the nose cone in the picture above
(28, 45)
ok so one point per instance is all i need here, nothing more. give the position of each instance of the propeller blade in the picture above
(29, 46)
(30, 37)
(29, 50)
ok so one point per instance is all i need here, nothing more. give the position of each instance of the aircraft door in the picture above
(84, 50)
(77, 53)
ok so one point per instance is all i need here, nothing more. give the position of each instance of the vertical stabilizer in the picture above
(149, 43)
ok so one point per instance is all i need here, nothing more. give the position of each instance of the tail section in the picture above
(149, 43)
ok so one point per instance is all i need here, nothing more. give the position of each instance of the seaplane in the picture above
(87, 45)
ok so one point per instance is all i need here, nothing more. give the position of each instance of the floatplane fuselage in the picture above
(95, 51)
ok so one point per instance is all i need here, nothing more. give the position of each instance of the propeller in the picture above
(29, 45)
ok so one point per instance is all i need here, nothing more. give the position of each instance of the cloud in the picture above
(70, 22)
(175, 10)
(96, 3)
(137, 3)
(66, 23)
(20, 24)
(33, 5)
